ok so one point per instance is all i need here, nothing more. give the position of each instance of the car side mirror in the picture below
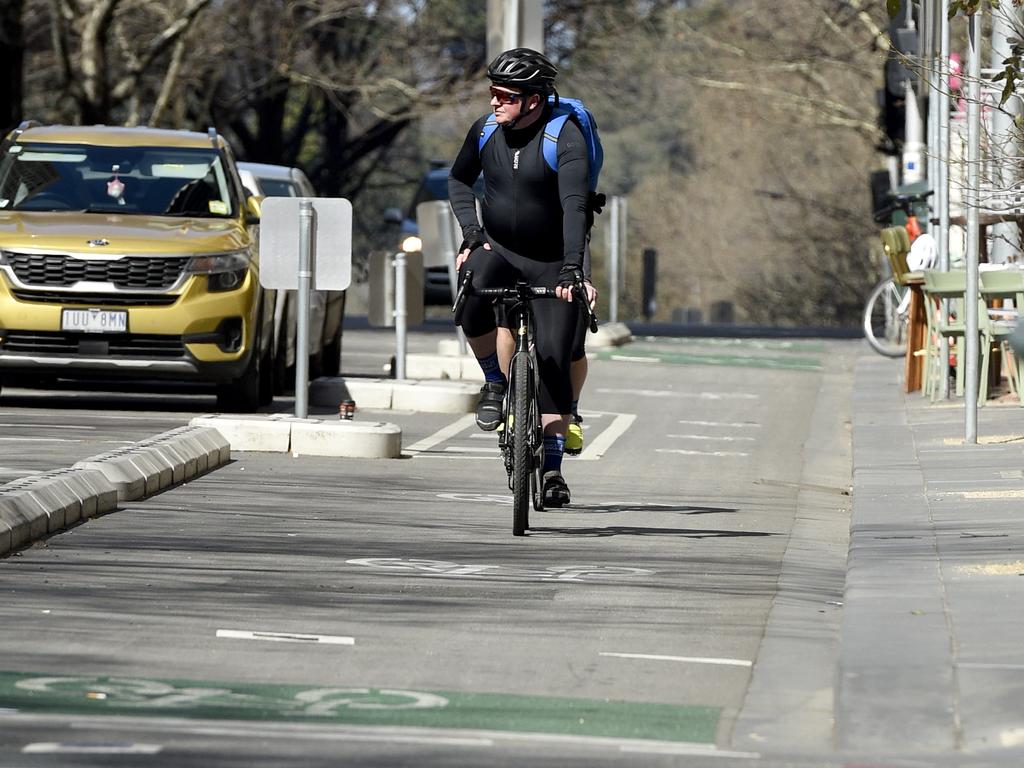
(393, 216)
(253, 209)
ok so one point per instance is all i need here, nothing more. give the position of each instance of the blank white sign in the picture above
(332, 243)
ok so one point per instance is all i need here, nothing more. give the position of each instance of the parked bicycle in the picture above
(521, 434)
(886, 313)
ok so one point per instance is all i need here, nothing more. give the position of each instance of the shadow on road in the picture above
(686, 509)
(633, 530)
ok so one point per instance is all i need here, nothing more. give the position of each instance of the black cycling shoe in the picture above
(488, 408)
(556, 492)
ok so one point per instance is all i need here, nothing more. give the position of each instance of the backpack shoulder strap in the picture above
(551, 133)
(490, 126)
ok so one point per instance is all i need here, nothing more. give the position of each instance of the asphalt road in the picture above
(379, 612)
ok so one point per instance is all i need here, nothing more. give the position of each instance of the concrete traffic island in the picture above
(36, 506)
(433, 394)
(277, 433)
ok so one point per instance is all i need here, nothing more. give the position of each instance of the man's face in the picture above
(508, 103)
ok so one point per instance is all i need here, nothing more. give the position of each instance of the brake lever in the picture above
(584, 299)
(460, 298)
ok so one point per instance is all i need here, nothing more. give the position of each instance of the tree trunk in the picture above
(12, 55)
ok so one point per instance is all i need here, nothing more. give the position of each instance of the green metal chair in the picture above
(1000, 323)
(938, 285)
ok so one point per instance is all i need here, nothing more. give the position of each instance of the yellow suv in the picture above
(131, 253)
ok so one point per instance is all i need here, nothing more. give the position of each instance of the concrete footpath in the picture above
(931, 656)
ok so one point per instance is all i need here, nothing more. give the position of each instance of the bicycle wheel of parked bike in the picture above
(885, 318)
(522, 425)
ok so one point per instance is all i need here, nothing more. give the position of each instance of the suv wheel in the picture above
(245, 394)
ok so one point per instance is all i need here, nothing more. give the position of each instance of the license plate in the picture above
(95, 320)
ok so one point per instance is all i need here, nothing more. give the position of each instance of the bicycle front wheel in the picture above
(885, 318)
(522, 459)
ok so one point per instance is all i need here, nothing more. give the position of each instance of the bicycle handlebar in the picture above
(519, 292)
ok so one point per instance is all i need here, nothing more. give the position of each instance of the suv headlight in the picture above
(412, 244)
(226, 271)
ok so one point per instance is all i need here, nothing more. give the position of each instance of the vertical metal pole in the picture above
(942, 193)
(400, 315)
(623, 243)
(1003, 151)
(971, 346)
(913, 144)
(613, 261)
(302, 319)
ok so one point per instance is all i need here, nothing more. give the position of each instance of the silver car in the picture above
(326, 307)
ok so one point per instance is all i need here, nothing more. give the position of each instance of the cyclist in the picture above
(534, 228)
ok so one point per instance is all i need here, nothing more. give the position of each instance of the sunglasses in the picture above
(504, 97)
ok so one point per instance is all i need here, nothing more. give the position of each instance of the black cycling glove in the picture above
(472, 238)
(570, 275)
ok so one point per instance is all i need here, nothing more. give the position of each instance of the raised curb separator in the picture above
(35, 506)
(309, 437)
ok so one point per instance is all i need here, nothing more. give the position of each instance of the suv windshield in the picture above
(154, 181)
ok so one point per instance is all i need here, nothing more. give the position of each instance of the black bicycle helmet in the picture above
(523, 68)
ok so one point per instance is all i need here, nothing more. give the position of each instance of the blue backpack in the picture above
(564, 109)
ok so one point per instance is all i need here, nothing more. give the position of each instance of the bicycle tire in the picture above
(522, 466)
(885, 327)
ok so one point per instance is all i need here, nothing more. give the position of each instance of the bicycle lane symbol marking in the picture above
(94, 696)
(559, 573)
(154, 695)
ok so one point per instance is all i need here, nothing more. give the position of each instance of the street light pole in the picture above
(942, 194)
(971, 345)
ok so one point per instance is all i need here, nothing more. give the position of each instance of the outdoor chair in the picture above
(1001, 322)
(896, 244)
(944, 319)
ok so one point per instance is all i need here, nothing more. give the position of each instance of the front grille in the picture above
(98, 299)
(131, 272)
(136, 345)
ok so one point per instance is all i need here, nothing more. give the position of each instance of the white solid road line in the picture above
(89, 748)
(48, 426)
(39, 440)
(445, 433)
(285, 637)
(711, 437)
(683, 659)
(470, 449)
(677, 393)
(701, 453)
(597, 447)
(731, 424)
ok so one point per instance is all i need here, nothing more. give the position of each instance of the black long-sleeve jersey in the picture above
(528, 208)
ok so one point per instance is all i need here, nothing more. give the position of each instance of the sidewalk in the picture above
(932, 645)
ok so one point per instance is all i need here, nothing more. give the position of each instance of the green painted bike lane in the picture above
(672, 356)
(87, 695)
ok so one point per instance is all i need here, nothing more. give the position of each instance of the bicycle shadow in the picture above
(616, 507)
(636, 530)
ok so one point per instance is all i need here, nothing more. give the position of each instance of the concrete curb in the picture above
(436, 394)
(610, 335)
(308, 437)
(38, 505)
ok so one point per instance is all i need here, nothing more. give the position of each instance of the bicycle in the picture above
(521, 436)
(885, 316)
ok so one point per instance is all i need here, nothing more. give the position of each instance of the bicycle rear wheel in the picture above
(885, 318)
(522, 460)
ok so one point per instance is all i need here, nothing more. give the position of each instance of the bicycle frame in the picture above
(524, 355)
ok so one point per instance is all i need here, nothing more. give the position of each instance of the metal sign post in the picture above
(305, 277)
(305, 244)
(401, 315)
